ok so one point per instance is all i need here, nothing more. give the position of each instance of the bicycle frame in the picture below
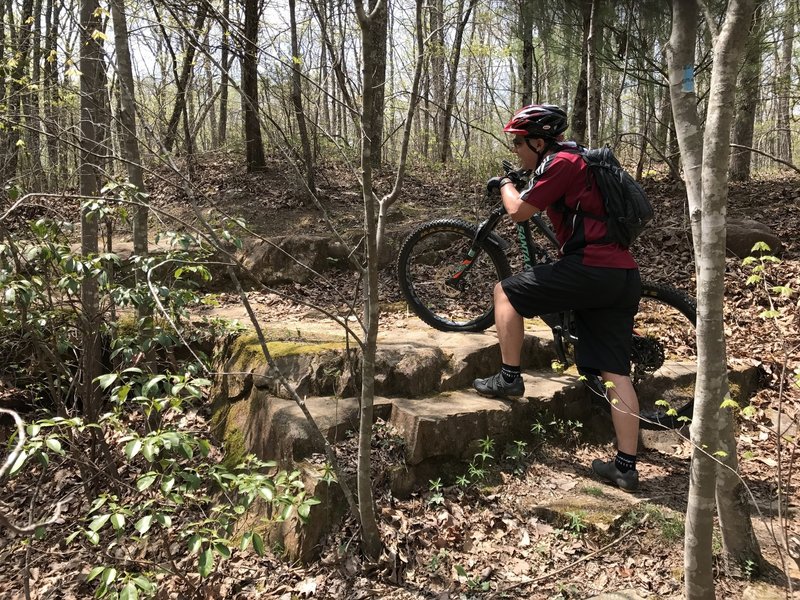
(560, 323)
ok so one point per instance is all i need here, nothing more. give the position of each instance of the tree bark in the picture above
(297, 102)
(706, 182)
(379, 31)
(92, 104)
(593, 74)
(747, 99)
(784, 134)
(183, 81)
(127, 116)
(52, 93)
(526, 65)
(32, 99)
(581, 104)
(370, 536)
(446, 151)
(252, 126)
(17, 90)
(225, 23)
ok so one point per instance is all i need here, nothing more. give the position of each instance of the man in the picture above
(595, 277)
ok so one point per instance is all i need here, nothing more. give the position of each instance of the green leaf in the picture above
(117, 521)
(98, 522)
(95, 572)
(267, 493)
(145, 481)
(132, 448)
(246, 539)
(69, 539)
(54, 445)
(460, 570)
(782, 290)
(105, 381)
(721, 453)
(93, 537)
(752, 279)
(222, 549)
(749, 411)
(148, 450)
(21, 458)
(206, 563)
(303, 510)
(143, 524)
(129, 592)
(760, 247)
(144, 584)
(109, 575)
(729, 403)
(258, 544)
(164, 520)
(194, 543)
(167, 484)
(769, 314)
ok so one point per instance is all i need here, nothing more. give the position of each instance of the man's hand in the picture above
(495, 183)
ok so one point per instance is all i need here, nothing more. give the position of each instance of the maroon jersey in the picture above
(564, 176)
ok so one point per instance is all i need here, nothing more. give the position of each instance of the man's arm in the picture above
(515, 206)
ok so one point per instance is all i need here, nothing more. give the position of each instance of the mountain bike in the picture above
(447, 269)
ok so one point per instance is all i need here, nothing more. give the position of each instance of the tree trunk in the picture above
(33, 116)
(784, 134)
(91, 105)
(379, 31)
(297, 102)
(252, 126)
(370, 536)
(17, 90)
(446, 151)
(526, 65)
(52, 93)
(127, 117)
(706, 183)
(182, 82)
(747, 100)
(222, 136)
(740, 549)
(580, 105)
(593, 74)
(436, 70)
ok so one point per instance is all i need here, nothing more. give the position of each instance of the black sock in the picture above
(509, 373)
(625, 462)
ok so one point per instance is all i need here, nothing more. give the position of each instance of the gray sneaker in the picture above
(496, 387)
(629, 480)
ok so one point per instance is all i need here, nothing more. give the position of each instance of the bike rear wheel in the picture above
(664, 357)
(430, 257)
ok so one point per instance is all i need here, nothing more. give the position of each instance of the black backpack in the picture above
(628, 209)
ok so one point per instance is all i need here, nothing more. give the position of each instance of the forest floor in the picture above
(479, 530)
(453, 542)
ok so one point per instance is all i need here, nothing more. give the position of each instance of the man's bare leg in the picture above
(510, 334)
(624, 412)
(510, 327)
(625, 415)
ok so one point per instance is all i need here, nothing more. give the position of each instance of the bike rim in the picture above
(429, 269)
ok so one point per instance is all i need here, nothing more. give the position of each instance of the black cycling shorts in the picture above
(605, 301)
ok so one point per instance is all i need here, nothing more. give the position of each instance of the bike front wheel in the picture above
(664, 357)
(448, 278)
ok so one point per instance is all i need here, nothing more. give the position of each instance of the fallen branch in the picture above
(775, 158)
(571, 565)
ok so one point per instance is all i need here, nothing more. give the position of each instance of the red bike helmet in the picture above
(538, 121)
